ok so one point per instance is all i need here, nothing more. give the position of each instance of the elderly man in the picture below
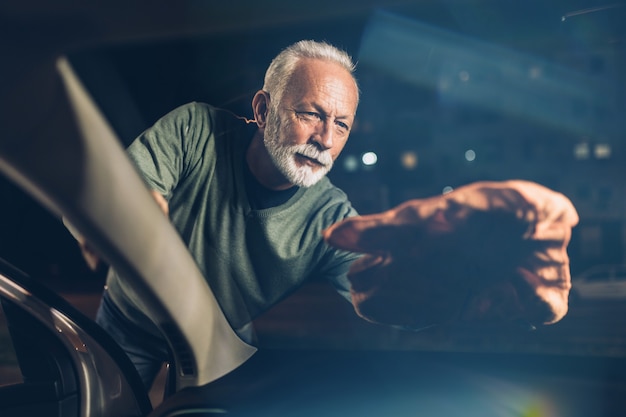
(249, 198)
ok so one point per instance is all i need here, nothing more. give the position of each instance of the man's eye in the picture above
(309, 116)
(343, 127)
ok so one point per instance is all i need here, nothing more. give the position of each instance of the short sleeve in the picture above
(161, 153)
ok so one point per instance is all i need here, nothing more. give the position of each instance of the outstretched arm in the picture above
(486, 251)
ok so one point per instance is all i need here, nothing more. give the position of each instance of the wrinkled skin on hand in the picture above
(486, 252)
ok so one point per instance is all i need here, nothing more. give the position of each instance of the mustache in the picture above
(311, 151)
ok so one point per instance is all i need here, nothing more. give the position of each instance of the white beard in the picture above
(284, 156)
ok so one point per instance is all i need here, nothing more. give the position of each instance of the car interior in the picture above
(452, 92)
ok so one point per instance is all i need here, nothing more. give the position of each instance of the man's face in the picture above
(308, 128)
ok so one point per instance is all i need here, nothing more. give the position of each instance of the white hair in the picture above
(284, 64)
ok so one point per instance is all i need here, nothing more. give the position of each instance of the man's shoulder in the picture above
(195, 109)
(200, 109)
(206, 120)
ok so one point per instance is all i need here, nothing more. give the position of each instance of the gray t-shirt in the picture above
(252, 259)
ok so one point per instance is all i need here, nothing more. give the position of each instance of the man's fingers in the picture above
(161, 201)
(89, 254)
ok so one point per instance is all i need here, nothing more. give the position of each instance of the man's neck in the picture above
(262, 166)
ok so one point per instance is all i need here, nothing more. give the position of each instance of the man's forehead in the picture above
(321, 84)
(319, 69)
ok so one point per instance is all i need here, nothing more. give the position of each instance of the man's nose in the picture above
(324, 135)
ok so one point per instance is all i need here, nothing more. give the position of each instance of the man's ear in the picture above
(260, 107)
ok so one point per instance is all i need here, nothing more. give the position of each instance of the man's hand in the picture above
(161, 201)
(488, 251)
(89, 253)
